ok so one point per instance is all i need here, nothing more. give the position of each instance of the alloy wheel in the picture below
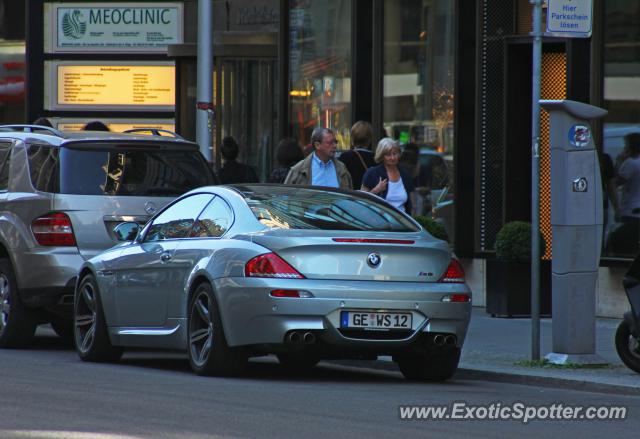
(5, 301)
(85, 318)
(200, 329)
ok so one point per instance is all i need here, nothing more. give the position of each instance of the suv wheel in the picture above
(17, 321)
(90, 329)
(209, 353)
(434, 366)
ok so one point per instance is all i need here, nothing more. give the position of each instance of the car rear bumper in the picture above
(252, 317)
(45, 276)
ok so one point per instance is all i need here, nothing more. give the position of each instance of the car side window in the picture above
(43, 167)
(177, 220)
(5, 161)
(214, 220)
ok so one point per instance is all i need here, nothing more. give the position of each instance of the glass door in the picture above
(246, 108)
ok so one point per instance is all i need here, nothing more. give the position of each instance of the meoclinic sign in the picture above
(112, 27)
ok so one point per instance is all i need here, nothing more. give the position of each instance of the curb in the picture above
(464, 373)
(545, 381)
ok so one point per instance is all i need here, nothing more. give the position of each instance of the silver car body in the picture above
(145, 286)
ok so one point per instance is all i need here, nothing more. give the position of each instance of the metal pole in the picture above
(535, 181)
(204, 111)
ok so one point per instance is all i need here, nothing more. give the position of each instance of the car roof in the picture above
(58, 138)
(616, 131)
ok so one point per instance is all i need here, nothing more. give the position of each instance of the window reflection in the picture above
(12, 81)
(176, 221)
(320, 67)
(290, 208)
(620, 161)
(419, 43)
(214, 220)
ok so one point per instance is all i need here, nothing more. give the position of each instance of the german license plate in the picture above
(375, 320)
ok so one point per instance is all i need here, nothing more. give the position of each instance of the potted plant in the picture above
(509, 274)
(433, 227)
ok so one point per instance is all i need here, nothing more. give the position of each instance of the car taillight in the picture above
(454, 273)
(456, 298)
(53, 229)
(270, 265)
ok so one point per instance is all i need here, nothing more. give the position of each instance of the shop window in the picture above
(320, 68)
(12, 81)
(12, 61)
(418, 97)
(620, 160)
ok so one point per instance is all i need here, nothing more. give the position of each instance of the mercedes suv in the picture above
(61, 195)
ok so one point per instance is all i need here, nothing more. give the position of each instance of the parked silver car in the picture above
(229, 272)
(61, 194)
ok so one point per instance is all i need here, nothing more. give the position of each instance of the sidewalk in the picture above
(494, 346)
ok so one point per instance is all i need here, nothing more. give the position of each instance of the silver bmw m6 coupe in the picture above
(230, 272)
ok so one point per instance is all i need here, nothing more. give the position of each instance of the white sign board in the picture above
(570, 18)
(112, 27)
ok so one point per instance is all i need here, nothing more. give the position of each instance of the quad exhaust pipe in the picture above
(441, 340)
(298, 337)
(294, 337)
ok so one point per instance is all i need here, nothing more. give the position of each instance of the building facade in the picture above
(452, 77)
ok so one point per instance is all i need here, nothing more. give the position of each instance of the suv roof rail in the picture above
(32, 128)
(154, 131)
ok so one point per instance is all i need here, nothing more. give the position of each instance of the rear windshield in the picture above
(282, 207)
(123, 172)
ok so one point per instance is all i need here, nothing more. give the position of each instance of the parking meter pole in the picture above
(576, 221)
(535, 182)
(204, 136)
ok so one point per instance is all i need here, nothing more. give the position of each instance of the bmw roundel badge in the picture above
(374, 259)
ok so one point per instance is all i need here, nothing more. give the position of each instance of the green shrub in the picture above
(433, 227)
(513, 242)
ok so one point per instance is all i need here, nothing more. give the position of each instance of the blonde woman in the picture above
(387, 179)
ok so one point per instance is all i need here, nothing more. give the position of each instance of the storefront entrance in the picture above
(246, 108)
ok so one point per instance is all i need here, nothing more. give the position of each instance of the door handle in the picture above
(165, 257)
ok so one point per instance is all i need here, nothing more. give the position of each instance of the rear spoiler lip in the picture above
(374, 241)
(127, 144)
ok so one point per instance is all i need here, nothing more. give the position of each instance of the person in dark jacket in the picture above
(95, 125)
(359, 158)
(388, 180)
(43, 122)
(288, 153)
(233, 171)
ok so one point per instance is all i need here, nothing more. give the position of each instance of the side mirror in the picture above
(126, 231)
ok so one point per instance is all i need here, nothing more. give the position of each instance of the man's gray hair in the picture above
(318, 135)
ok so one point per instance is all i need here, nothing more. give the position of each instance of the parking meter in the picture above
(576, 221)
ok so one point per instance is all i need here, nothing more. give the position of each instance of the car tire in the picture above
(91, 338)
(302, 362)
(628, 347)
(63, 328)
(17, 321)
(209, 353)
(433, 366)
